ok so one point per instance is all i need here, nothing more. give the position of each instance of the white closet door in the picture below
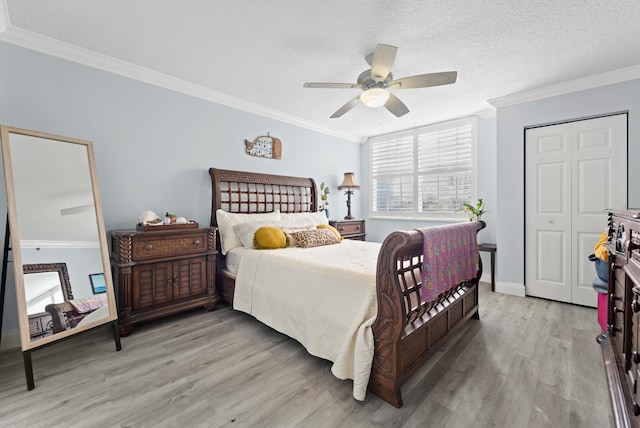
(548, 212)
(574, 171)
(599, 179)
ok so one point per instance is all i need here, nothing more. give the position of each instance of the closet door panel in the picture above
(573, 172)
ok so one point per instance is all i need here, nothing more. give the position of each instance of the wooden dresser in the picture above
(162, 272)
(620, 346)
(350, 229)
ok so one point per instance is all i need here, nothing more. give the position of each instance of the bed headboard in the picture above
(252, 192)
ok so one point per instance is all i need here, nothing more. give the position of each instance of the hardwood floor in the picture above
(527, 363)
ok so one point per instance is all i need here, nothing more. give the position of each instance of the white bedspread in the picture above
(324, 297)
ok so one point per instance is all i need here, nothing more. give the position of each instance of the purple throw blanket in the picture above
(450, 257)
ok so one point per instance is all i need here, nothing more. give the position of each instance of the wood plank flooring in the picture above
(527, 363)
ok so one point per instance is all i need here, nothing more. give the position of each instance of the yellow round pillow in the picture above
(269, 238)
(332, 229)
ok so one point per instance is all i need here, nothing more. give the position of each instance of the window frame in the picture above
(471, 121)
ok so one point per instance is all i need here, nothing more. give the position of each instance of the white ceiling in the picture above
(256, 55)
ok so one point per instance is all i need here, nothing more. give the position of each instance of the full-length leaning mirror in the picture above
(57, 237)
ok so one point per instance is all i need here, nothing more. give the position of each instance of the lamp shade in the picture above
(348, 182)
(374, 97)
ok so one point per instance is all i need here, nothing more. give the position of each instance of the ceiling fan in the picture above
(375, 82)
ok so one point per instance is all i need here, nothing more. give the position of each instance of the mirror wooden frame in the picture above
(13, 229)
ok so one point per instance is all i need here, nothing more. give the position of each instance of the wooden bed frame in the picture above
(407, 330)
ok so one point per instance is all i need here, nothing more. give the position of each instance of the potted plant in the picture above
(474, 211)
(324, 202)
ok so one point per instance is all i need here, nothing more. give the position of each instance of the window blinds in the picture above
(428, 170)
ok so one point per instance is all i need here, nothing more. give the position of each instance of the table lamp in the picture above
(349, 184)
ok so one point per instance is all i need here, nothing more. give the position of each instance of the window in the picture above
(425, 172)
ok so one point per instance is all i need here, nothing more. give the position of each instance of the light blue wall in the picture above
(511, 122)
(153, 147)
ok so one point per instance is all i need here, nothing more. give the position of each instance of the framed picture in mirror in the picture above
(97, 283)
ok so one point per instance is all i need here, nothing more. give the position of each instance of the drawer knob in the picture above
(197, 242)
(148, 247)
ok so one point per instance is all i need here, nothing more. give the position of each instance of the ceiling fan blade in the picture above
(395, 106)
(345, 108)
(331, 85)
(383, 58)
(425, 80)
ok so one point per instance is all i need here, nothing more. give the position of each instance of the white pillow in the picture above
(315, 218)
(228, 237)
(246, 231)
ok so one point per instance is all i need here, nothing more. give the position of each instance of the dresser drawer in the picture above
(350, 228)
(617, 305)
(145, 247)
(631, 270)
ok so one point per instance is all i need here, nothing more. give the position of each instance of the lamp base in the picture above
(348, 217)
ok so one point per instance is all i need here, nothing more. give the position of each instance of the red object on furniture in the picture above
(602, 310)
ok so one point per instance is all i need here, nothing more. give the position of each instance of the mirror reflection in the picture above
(42, 289)
(44, 285)
(53, 192)
(58, 233)
(51, 306)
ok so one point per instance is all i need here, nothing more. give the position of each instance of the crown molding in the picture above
(589, 82)
(69, 52)
(487, 114)
(24, 243)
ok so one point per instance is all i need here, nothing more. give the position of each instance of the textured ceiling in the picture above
(262, 52)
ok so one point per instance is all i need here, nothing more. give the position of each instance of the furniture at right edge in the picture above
(619, 344)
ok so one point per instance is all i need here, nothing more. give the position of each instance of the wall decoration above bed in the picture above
(264, 146)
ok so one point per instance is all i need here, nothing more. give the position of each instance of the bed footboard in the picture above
(408, 330)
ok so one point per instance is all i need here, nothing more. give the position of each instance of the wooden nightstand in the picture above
(163, 272)
(350, 229)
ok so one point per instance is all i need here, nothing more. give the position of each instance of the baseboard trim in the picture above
(512, 288)
(10, 340)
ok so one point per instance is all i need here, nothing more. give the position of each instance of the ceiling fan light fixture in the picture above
(374, 97)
